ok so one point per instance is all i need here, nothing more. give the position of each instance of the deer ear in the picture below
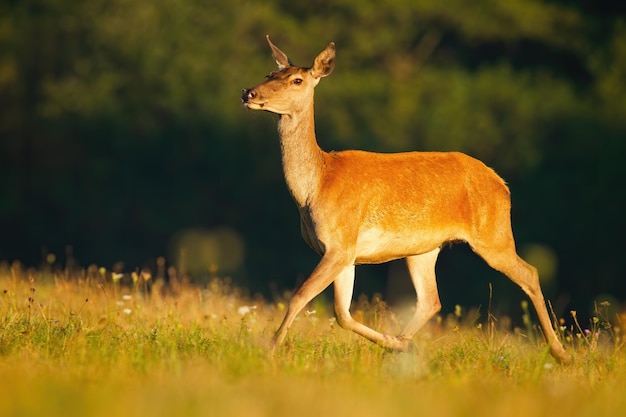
(325, 62)
(279, 56)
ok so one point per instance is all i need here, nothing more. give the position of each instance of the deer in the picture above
(358, 207)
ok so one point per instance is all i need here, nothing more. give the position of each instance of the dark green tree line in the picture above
(121, 125)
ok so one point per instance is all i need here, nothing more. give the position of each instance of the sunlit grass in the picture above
(93, 343)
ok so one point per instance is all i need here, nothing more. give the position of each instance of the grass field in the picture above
(98, 344)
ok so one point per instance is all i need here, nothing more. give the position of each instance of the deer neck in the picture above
(302, 156)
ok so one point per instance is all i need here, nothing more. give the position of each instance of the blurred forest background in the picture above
(123, 139)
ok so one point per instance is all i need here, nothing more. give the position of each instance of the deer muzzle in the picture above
(248, 94)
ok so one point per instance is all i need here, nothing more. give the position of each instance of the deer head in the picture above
(290, 89)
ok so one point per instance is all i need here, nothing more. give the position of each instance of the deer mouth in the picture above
(253, 105)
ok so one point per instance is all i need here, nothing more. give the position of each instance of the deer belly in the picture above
(378, 246)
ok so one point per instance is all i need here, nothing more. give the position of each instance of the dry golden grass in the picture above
(92, 345)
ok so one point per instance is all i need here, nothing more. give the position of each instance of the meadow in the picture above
(95, 343)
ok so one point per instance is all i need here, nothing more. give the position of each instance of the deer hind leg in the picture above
(501, 255)
(344, 287)
(422, 271)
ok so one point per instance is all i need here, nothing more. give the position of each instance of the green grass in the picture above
(90, 345)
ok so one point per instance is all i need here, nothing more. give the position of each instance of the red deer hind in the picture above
(361, 207)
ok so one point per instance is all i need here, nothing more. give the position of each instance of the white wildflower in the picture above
(243, 310)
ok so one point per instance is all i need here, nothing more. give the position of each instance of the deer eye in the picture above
(297, 81)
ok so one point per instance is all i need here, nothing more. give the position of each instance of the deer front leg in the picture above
(331, 265)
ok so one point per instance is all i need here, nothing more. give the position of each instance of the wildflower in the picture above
(127, 297)
(116, 276)
(310, 314)
(243, 310)
(146, 275)
(127, 311)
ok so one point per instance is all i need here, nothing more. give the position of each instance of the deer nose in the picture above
(248, 94)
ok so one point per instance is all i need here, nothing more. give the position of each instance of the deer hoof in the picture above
(397, 343)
